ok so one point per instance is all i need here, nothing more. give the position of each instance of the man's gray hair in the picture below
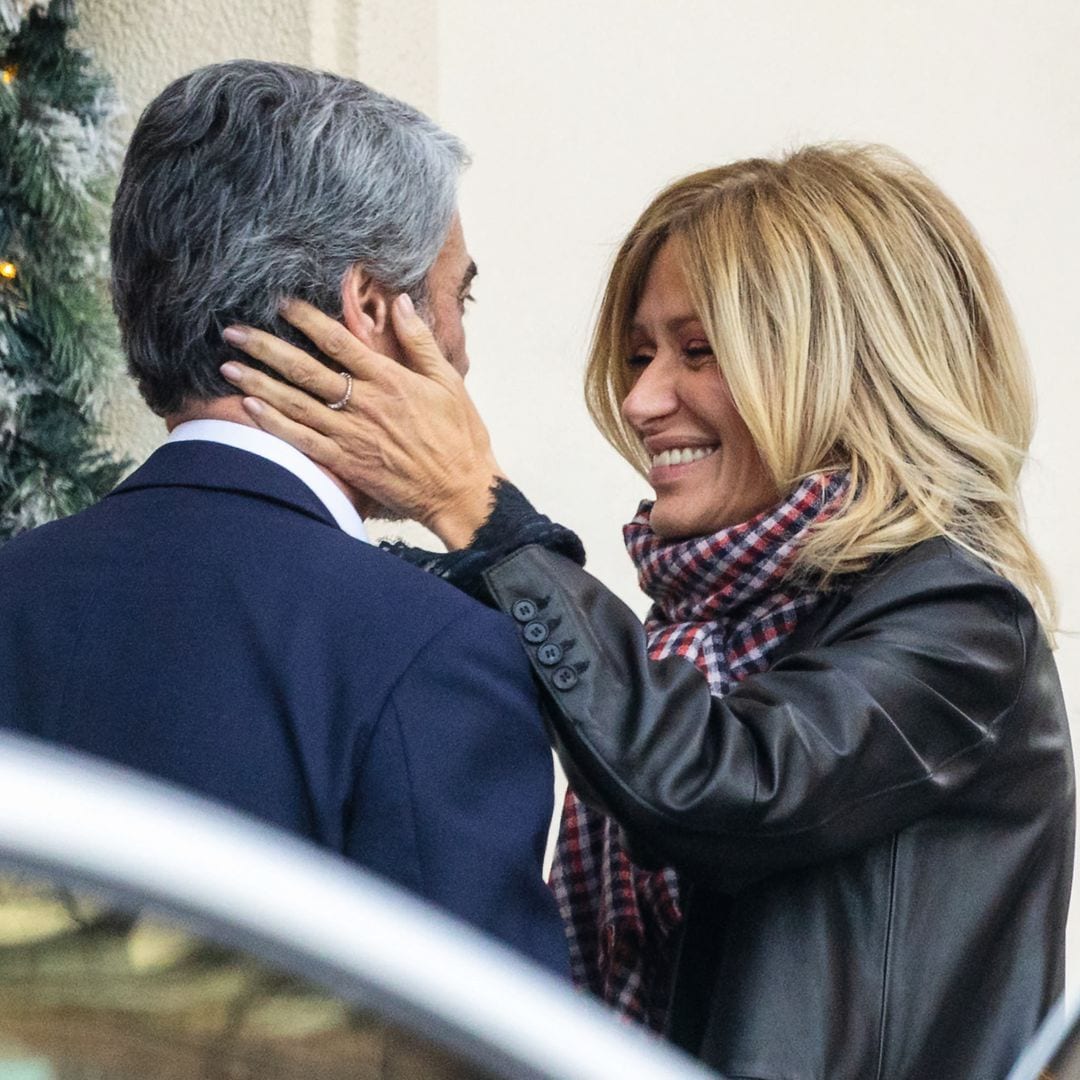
(249, 182)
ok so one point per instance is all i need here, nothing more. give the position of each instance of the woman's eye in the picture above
(638, 360)
(466, 298)
(698, 355)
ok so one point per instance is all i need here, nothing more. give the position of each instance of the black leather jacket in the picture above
(877, 832)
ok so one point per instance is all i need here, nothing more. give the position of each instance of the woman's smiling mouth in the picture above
(682, 455)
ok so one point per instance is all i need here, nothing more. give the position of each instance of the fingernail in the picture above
(235, 335)
(254, 406)
(232, 372)
(405, 304)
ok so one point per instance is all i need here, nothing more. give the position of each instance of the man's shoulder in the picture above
(306, 569)
(43, 540)
(359, 585)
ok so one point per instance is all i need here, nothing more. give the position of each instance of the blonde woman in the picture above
(822, 819)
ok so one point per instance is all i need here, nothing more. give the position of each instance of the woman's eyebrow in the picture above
(676, 322)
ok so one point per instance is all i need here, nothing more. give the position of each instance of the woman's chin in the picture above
(669, 526)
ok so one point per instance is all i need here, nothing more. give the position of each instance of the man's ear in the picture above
(365, 306)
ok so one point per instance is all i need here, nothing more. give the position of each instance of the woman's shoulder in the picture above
(935, 588)
(936, 618)
(933, 569)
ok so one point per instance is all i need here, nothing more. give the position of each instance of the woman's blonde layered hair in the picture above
(859, 325)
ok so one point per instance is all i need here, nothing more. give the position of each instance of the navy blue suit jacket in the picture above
(209, 623)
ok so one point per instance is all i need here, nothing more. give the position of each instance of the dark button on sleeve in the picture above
(565, 678)
(535, 632)
(524, 611)
(549, 654)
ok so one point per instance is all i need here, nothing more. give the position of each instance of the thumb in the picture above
(422, 352)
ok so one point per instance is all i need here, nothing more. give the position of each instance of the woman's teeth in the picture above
(683, 456)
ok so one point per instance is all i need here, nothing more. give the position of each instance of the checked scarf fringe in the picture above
(725, 602)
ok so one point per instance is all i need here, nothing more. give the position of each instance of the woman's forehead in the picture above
(664, 302)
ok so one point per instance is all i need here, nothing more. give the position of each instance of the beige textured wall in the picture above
(145, 44)
(398, 49)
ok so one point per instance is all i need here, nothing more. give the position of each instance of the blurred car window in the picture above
(1054, 1053)
(89, 992)
(146, 932)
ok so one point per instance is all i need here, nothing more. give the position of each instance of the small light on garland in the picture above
(9, 270)
(7, 76)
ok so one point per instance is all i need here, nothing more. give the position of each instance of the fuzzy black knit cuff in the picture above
(512, 524)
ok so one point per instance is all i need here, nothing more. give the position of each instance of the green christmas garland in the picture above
(58, 342)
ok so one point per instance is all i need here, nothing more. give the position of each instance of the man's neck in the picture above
(231, 410)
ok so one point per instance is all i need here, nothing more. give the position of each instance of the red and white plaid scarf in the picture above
(725, 602)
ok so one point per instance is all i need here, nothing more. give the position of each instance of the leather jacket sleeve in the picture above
(888, 710)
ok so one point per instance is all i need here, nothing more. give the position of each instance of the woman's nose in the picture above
(653, 395)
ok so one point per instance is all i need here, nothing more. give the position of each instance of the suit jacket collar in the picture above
(216, 467)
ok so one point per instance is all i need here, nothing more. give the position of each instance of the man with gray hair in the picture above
(219, 620)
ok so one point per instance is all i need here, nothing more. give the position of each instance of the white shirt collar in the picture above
(268, 446)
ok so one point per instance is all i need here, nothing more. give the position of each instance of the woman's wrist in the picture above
(461, 517)
(512, 523)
